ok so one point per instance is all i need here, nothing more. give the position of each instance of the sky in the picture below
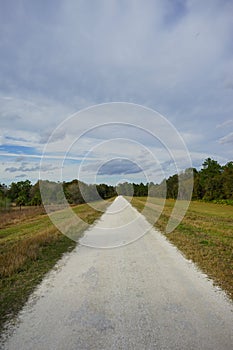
(128, 59)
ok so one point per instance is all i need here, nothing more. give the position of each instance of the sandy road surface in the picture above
(143, 295)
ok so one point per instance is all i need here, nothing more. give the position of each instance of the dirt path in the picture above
(142, 295)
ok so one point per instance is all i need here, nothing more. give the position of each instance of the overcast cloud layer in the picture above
(57, 57)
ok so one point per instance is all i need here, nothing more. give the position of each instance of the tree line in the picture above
(24, 193)
(214, 182)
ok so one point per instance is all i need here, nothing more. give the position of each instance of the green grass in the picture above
(205, 235)
(28, 250)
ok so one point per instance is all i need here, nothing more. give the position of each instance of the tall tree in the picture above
(19, 192)
(210, 179)
(228, 180)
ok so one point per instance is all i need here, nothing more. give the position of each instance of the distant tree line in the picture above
(213, 182)
(23, 193)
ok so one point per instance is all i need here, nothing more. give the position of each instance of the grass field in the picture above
(30, 245)
(205, 235)
(16, 215)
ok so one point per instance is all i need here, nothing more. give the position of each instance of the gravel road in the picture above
(143, 295)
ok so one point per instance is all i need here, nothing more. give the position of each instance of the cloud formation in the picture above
(119, 167)
(173, 56)
(227, 139)
(28, 167)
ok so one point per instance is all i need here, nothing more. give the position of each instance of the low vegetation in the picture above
(205, 235)
(29, 248)
(16, 215)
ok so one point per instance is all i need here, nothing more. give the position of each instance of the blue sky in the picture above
(59, 57)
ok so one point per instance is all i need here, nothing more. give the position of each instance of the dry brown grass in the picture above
(21, 243)
(205, 236)
(15, 215)
(15, 255)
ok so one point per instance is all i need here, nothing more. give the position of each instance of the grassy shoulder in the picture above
(205, 235)
(28, 250)
(16, 215)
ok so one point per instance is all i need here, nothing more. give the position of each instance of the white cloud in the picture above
(227, 139)
(226, 123)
